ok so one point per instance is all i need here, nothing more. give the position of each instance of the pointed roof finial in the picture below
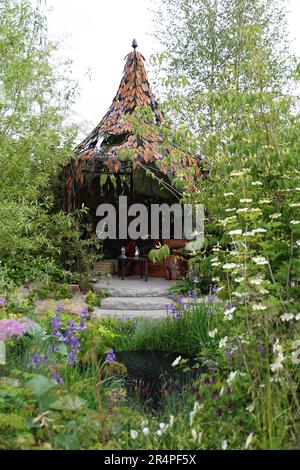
(134, 44)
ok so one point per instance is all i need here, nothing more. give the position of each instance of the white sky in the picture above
(97, 34)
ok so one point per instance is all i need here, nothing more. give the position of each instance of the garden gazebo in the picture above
(113, 160)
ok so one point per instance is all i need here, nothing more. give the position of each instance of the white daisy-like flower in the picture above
(144, 423)
(277, 365)
(259, 230)
(295, 222)
(231, 209)
(296, 344)
(248, 234)
(287, 317)
(276, 215)
(297, 317)
(296, 204)
(236, 173)
(228, 194)
(215, 279)
(162, 426)
(228, 219)
(239, 294)
(242, 201)
(256, 281)
(220, 288)
(258, 307)
(176, 362)
(146, 431)
(231, 377)
(224, 444)
(244, 209)
(235, 232)
(193, 413)
(255, 209)
(216, 249)
(249, 440)
(265, 201)
(256, 183)
(260, 260)
(250, 408)
(239, 279)
(230, 311)
(215, 263)
(296, 357)
(298, 242)
(194, 435)
(133, 434)
(297, 189)
(223, 342)
(159, 433)
(213, 333)
(229, 266)
(228, 317)
(263, 291)
(277, 348)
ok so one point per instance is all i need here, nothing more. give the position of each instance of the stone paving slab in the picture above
(127, 314)
(133, 286)
(135, 303)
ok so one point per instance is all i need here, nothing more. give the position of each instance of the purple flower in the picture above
(110, 356)
(9, 328)
(196, 280)
(59, 308)
(188, 294)
(219, 412)
(195, 294)
(2, 302)
(57, 378)
(261, 349)
(37, 360)
(211, 298)
(72, 359)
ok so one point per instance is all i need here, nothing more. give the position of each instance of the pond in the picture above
(151, 375)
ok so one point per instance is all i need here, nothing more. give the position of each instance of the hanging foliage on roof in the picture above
(115, 146)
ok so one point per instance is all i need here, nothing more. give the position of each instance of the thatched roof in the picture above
(115, 133)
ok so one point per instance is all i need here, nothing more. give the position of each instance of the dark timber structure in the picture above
(113, 160)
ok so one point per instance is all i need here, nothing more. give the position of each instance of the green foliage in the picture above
(243, 44)
(34, 143)
(188, 334)
(158, 255)
(94, 299)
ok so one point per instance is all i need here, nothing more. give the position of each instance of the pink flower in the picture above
(9, 328)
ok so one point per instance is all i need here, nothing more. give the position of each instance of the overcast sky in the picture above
(97, 34)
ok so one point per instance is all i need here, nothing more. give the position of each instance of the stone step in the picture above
(133, 287)
(128, 314)
(135, 303)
